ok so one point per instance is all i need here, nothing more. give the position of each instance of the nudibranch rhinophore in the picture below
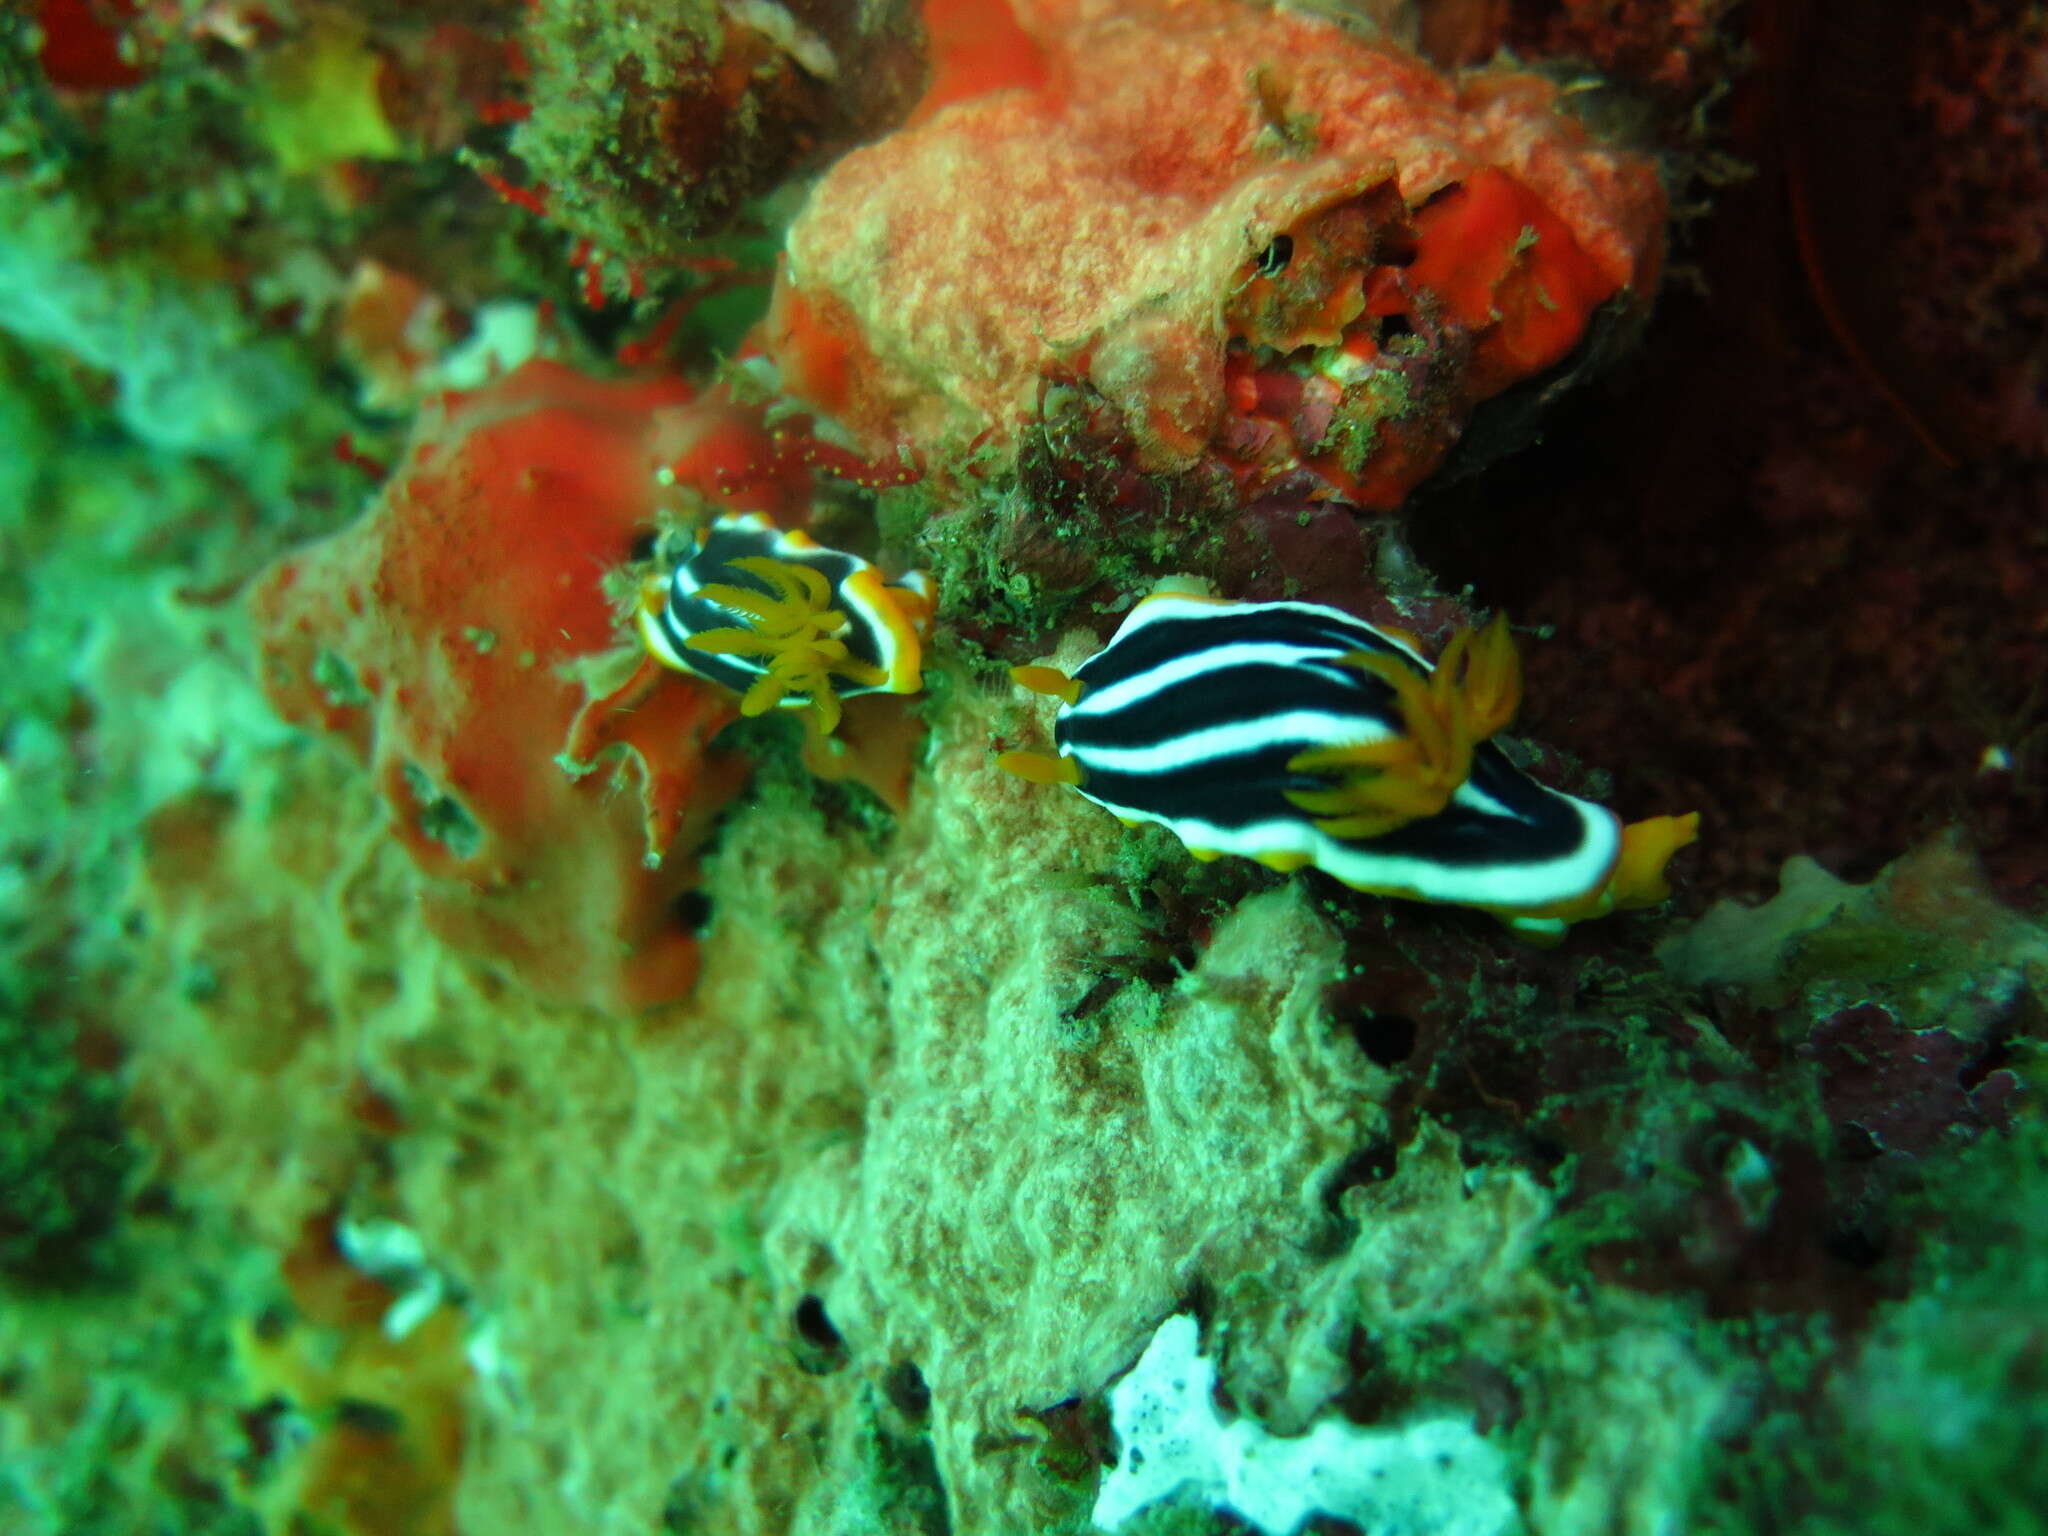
(1296, 734)
(783, 621)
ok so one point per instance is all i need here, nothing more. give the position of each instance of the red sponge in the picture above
(445, 639)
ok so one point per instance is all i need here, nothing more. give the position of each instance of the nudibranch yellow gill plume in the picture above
(1297, 734)
(786, 622)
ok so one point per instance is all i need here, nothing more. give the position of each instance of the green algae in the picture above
(65, 1159)
(441, 816)
(1933, 1424)
(652, 124)
(338, 681)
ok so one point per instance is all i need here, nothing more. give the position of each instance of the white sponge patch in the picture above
(1434, 1475)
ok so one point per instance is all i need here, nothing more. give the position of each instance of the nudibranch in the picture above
(1297, 734)
(784, 621)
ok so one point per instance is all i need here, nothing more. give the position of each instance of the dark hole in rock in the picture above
(1854, 1245)
(820, 1350)
(814, 1326)
(1386, 1038)
(1093, 1000)
(1368, 1165)
(1396, 246)
(1973, 1075)
(370, 1418)
(905, 1388)
(692, 910)
(1857, 1143)
(266, 1427)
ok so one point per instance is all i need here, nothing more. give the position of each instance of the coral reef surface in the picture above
(533, 997)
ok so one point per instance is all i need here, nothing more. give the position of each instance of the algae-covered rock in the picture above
(65, 1158)
(653, 123)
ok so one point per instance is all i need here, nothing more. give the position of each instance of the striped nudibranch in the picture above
(1297, 734)
(785, 622)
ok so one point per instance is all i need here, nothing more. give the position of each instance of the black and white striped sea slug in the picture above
(1298, 734)
(785, 621)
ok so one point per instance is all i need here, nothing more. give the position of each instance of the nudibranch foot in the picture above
(784, 622)
(1040, 767)
(1646, 848)
(1296, 734)
(1636, 881)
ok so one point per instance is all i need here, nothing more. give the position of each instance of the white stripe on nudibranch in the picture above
(1169, 607)
(1473, 798)
(654, 634)
(1114, 698)
(1360, 864)
(1195, 748)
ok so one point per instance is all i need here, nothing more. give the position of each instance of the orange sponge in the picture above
(1151, 198)
(444, 640)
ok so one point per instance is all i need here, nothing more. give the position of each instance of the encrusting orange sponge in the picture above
(1253, 233)
(446, 639)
